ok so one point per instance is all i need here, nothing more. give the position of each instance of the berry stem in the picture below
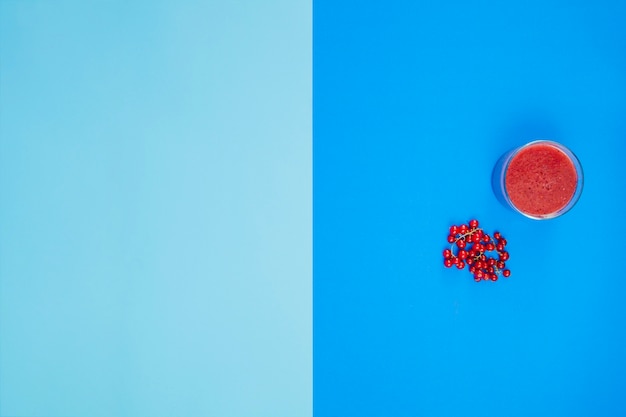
(468, 233)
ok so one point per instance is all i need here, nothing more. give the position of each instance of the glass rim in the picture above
(579, 180)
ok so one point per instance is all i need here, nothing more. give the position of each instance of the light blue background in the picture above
(155, 208)
(414, 101)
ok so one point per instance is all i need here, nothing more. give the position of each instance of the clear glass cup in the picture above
(540, 180)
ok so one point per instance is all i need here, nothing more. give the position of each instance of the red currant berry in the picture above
(448, 262)
(503, 241)
(476, 238)
(486, 238)
(455, 260)
(472, 269)
(500, 264)
(470, 261)
(473, 224)
(506, 273)
(494, 277)
(478, 247)
(451, 238)
(471, 253)
(462, 254)
(491, 261)
(490, 246)
(454, 230)
(463, 229)
(496, 235)
(504, 256)
(460, 243)
(476, 279)
(490, 269)
(483, 257)
(460, 264)
(447, 253)
(499, 247)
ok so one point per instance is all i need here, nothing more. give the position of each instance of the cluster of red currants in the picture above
(473, 246)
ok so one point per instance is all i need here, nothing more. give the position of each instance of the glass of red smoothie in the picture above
(541, 179)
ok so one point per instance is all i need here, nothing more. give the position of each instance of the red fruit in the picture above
(473, 247)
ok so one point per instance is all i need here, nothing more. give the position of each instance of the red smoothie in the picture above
(540, 179)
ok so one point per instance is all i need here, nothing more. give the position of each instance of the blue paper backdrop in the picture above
(155, 208)
(413, 104)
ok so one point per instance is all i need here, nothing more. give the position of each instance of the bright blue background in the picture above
(155, 208)
(413, 104)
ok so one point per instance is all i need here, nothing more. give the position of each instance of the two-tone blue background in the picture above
(160, 226)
